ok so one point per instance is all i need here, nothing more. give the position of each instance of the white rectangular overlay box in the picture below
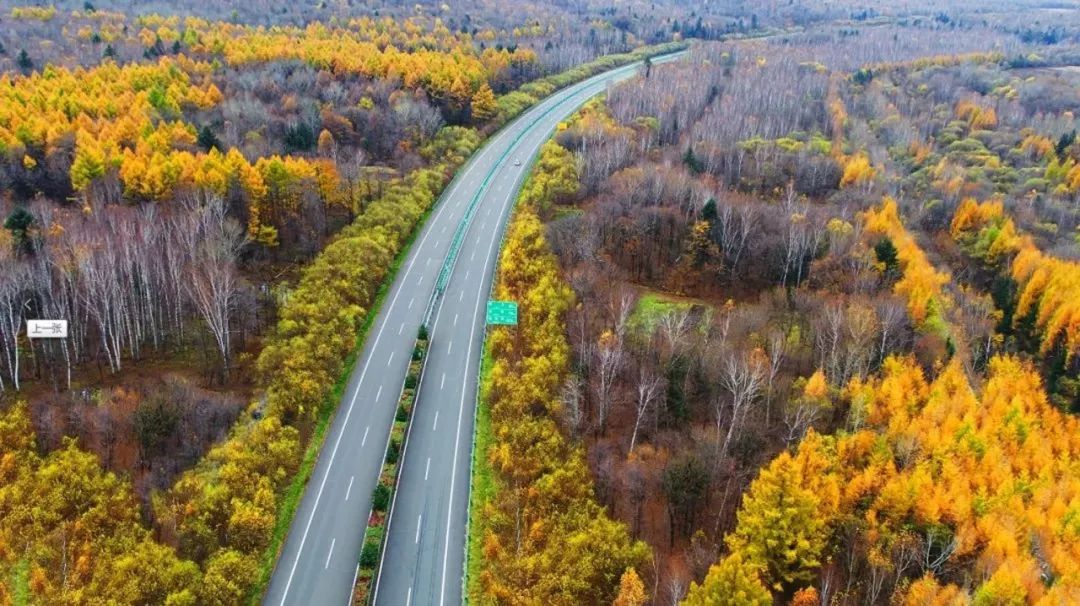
(47, 329)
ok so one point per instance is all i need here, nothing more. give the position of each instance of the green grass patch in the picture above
(20, 583)
(375, 533)
(561, 212)
(650, 308)
(483, 483)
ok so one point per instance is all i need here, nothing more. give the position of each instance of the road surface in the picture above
(423, 561)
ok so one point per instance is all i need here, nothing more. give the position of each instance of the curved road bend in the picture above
(425, 553)
(424, 558)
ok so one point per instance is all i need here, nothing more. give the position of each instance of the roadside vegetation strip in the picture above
(291, 497)
(483, 481)
(382, 499)
(234, 509)
(270, 455)
(482, 487)
(515, 102)
(521, 378)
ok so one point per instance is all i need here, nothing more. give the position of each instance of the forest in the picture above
(798, 312)
(214, 205)
(817, 290)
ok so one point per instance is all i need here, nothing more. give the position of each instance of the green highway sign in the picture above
(502, 313)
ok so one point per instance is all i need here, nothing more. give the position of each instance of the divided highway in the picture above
(424, 557)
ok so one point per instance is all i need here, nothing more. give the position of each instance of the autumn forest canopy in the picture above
(821, 324)
(799, 312)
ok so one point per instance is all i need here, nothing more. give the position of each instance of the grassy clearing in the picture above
(651, 307)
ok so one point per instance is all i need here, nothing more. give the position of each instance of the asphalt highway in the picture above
(423, 562)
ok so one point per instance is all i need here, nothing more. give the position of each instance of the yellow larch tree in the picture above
(631, 590)
(921, 284)
(983, 474)
(732, 582)
(484, 105)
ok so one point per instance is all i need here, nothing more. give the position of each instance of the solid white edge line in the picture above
(414, 253)
(461, 411)
(355, 575)
(401, 462)
(605, 79)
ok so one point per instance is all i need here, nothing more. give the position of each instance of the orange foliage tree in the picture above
(920, 284)
(76, 531)
(125, 123)
(1049, 287)
(985, 231)
(983, 484)
(545, 538)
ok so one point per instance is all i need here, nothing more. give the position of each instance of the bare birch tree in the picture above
(648, 387)
(743, 376)
(213, 278)
(609, 353)
(14, 279)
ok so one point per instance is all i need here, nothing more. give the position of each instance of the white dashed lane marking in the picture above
(332, 542)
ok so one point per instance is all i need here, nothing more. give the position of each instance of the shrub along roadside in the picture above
(483, 482)
(513, 103)
(530, 476)
(231, 512)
